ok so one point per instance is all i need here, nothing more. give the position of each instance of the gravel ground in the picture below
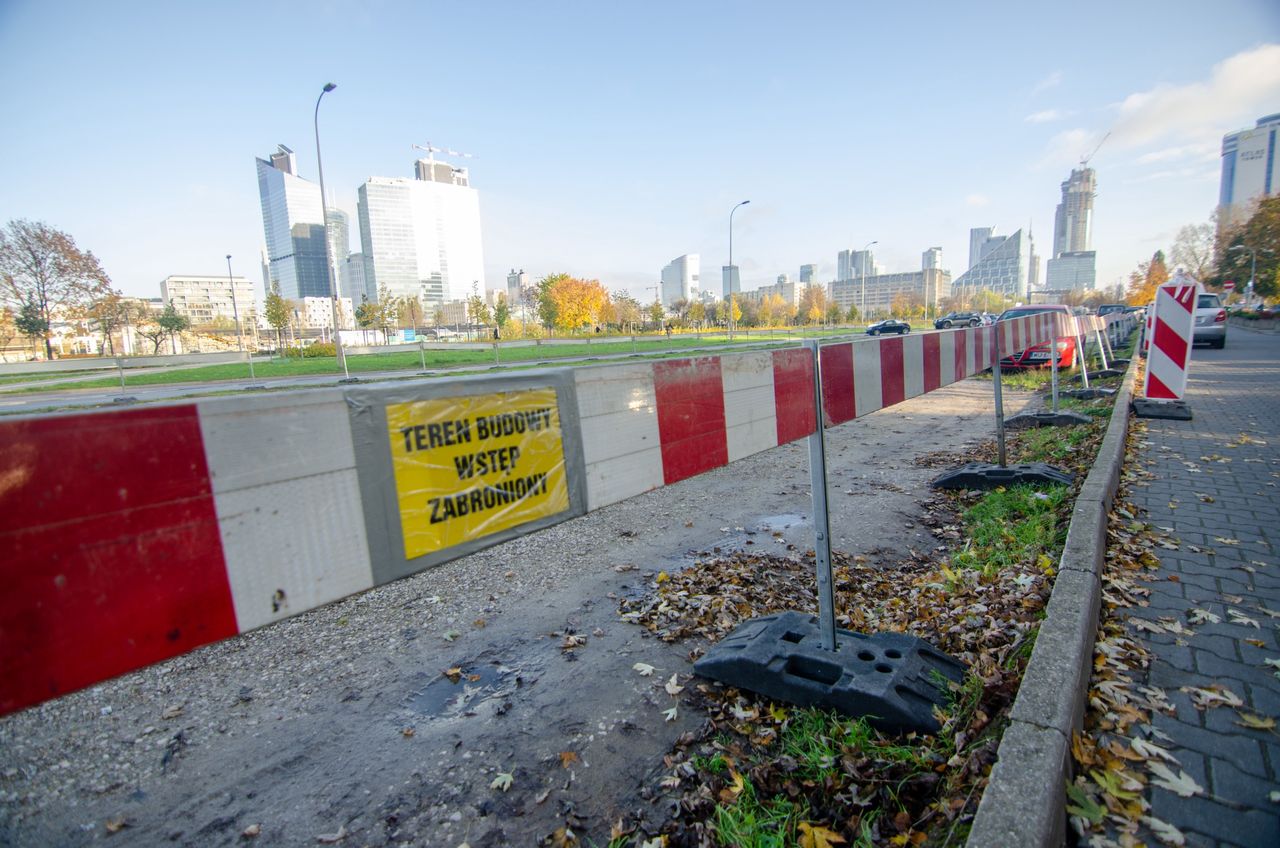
(344, 724)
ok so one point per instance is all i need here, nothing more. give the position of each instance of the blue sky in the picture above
(610, 138)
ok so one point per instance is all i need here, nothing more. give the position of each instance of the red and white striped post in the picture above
(1170, 328)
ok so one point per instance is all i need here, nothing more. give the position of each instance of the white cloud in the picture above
(1045, 116)
(1203, 151)
(1068, 147)
(1048, 82)
(977, 200)
(1237, 91)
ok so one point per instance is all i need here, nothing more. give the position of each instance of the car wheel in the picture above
(1220, 343)
(946, 325)
(904, 331)
(975, 323)
(873, 332)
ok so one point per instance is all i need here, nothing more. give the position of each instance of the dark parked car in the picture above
(889, 325)
(958, 319)
(1108, 308)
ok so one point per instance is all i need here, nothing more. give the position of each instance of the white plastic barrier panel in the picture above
(1172, 325)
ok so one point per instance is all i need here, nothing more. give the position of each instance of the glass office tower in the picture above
(293, 222)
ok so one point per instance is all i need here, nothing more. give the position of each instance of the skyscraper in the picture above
(1073, 222)
(680, 279)
(854, 264)
(808, 273)
(421, 236)
(980, 240)
(1002, 269)
(293, 223)
(1249, 169)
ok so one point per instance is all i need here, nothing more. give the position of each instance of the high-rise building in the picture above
(421, 236)
(784, 288)
(1072, 270)
(1033, 269)
(1073, 222)
(1249, 170)
(979, 240)
(1002, 268)
(204, 299)
(852, 264)
(351, 281)
(294, 227)
(729, 281)
(808, 273)
(931, 258)
(876, 292)
(517, 282)
(680, 279)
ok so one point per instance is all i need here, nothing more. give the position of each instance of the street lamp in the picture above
(328, 259)
(862, 298)
(731, 211)
(236, 312)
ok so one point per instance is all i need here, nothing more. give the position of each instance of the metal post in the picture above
(821, 522)
(1084, 359)
(1102, 351)
(999, 397)
(731, 292)
(497, 358)
(1054, 353)
(120, 365)
(422, 353)
(328, 258)
(235, 310)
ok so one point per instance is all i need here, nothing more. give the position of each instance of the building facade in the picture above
(202, 300)
(1073, 221)
(851, 264)
(880, 291)
(517, 282)
(784, 288)
(1249, 170)
(293, 223)
(421, 237)
(1072, 270)
(1002, 268)
(808, 274)
(680, 279)
(314, 313)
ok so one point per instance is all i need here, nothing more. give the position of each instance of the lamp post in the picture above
(862, 297)
(328, 258)
(731, 298)
(235, 310)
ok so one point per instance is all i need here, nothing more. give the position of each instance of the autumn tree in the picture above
(1144, 281)
(546, 304)
(8, 329)
(501, 312)
(576, 302)
(478, 311)
(813, 303)
(30, 323)
(656, 313)
(1254, 249)
(108, 314)
(410, 312)
(42, 266)
(627, 308)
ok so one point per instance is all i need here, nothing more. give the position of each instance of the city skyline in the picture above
(569, 114)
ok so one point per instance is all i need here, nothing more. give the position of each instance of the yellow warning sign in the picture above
(467, 467)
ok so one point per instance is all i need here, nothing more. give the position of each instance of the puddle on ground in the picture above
(771, 523)
(444, 697)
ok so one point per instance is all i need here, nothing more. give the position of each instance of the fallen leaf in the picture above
(1150, 751)
(502, 781)
(454, 674)
(1200, 616)
(567, 758)
(1085, 807)
(670, 714)
(1238, 617)
(408, 732)
(1165, 832)
(812, 836)
(655, 842)
(644, 668)
(1213, 696)
(1181, 784)
(571, 641)
(672, 687)
(330, 838)
(1256, 722)
(251, 831)
(1226, 541)
(450, 635)
(479, 623)
(116, 824)
(731, 792)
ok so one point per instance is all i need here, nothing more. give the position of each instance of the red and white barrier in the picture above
(135, 535)
(1170, 330)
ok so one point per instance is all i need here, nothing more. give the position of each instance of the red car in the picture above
(1038, 355)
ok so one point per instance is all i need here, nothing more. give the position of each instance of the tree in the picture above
(576, 302)
(154, 333)
(1193, 251)
(410, 312)
(478, 311)
(31, 323)
(108, 314)
(8, 329)
(501, 312)
(697, 314)
(1146, 279)
(834, 313)
(546, 305)
(813, 303)
(1254, 249)
(387, 312)
(276, 311)
(656, 313)
(42, 266)
(172, 323)
(627, 308)
(853, 314)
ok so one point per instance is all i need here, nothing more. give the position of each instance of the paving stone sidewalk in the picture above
(1216, 483)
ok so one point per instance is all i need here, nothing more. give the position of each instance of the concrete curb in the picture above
(1024, 803)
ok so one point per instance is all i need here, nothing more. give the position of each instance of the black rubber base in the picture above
(1176, 410)
(1119, 363)
(1094, 375)
(1089, 393)
(1027, 420)
(890, 678)
(349, 380)
(129, 399)
(980, 475)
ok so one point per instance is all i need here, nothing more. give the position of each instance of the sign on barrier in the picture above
(1171, 325)
(467, 467)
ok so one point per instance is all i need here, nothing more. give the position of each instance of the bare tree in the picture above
(42, 266)
(1193, 250)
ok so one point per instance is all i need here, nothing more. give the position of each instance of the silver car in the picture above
(1211, 321)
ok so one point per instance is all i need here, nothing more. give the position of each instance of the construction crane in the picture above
(432, 150)
(1084, 160)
